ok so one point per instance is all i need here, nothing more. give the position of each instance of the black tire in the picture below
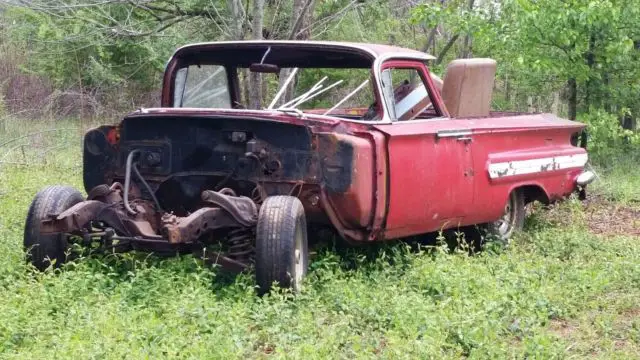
(282, 253)
(511, 221)
(45, 250)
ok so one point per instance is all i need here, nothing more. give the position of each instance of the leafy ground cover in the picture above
(567, 287)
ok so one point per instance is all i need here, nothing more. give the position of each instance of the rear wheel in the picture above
(512, 219)
(281, 244)
(50, 249)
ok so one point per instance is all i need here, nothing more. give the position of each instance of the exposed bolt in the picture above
(153, 159)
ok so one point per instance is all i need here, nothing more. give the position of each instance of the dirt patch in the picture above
(562, 328)
(633, 313)
(606, 217)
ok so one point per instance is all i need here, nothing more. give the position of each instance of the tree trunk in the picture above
(555, 106)
(606, 103)
(244, 80)
(430, 39)
(507, 89)
(591, 61)
(466, 47)
(530, 108)
(446, 49)
(236, 23)
(255, 80)
(572, 86)
(301, 18)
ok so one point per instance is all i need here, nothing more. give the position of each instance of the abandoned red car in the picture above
(358, 138)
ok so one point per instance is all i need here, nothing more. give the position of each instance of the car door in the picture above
(430, 155)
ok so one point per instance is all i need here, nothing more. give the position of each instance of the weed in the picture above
(558, 290)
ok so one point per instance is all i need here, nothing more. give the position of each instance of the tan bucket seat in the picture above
(468, 86)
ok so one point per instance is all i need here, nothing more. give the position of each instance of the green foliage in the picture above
(540, 45)
(619, 178)
(455, 16)
(558, 291)
(607, 138)
(74, 52)
(590, 41)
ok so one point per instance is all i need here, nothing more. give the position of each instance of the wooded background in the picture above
(101, 58)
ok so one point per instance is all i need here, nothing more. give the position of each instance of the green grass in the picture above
(558, 291)
(620, 179)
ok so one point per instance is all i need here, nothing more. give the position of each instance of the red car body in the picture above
(421, 176)
(426, 155)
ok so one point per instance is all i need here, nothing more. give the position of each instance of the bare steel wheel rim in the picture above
(298, 269)
(505, 224)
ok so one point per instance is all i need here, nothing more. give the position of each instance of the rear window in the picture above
(202, 86)
(340, 92)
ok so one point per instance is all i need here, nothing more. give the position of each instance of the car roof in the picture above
(374, 50)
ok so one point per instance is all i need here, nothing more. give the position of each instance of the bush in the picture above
(607, 138)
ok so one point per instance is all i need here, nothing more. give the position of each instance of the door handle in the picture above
(466, 139)
(453, 133)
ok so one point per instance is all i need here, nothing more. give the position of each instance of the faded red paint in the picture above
(408, 180)
(444, 183)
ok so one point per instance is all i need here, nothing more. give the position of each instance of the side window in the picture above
(406, 94)
(202, 86)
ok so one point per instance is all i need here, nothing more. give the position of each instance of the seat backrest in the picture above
(468, 87)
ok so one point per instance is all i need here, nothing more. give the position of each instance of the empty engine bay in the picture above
(180, 158)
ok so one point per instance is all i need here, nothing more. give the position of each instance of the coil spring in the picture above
(240, 247)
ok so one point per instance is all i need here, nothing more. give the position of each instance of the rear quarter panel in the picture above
(527, 150)
(497, 143)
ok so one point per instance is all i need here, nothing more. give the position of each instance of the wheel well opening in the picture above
(534, 193)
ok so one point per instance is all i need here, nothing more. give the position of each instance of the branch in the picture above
(446, 48)
(326, 19)
(166, 13)
(145, 9)
(551, 43)
(167, 25)
(294, 30)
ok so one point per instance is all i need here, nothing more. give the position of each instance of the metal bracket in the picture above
(241, 208)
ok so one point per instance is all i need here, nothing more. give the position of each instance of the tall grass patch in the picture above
(558, 291)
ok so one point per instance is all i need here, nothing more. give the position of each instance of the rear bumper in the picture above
(586, 177)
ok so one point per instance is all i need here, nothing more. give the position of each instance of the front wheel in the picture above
(44, 250)
(281, 244)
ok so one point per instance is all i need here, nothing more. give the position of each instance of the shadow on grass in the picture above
(333, 253)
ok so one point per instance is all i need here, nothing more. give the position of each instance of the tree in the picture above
(580, 41)
(585, 47)
(108, 33)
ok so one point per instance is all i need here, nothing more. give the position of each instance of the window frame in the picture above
(423, 72)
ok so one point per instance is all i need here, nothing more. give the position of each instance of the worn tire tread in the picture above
(40, 249)
(275, 240)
